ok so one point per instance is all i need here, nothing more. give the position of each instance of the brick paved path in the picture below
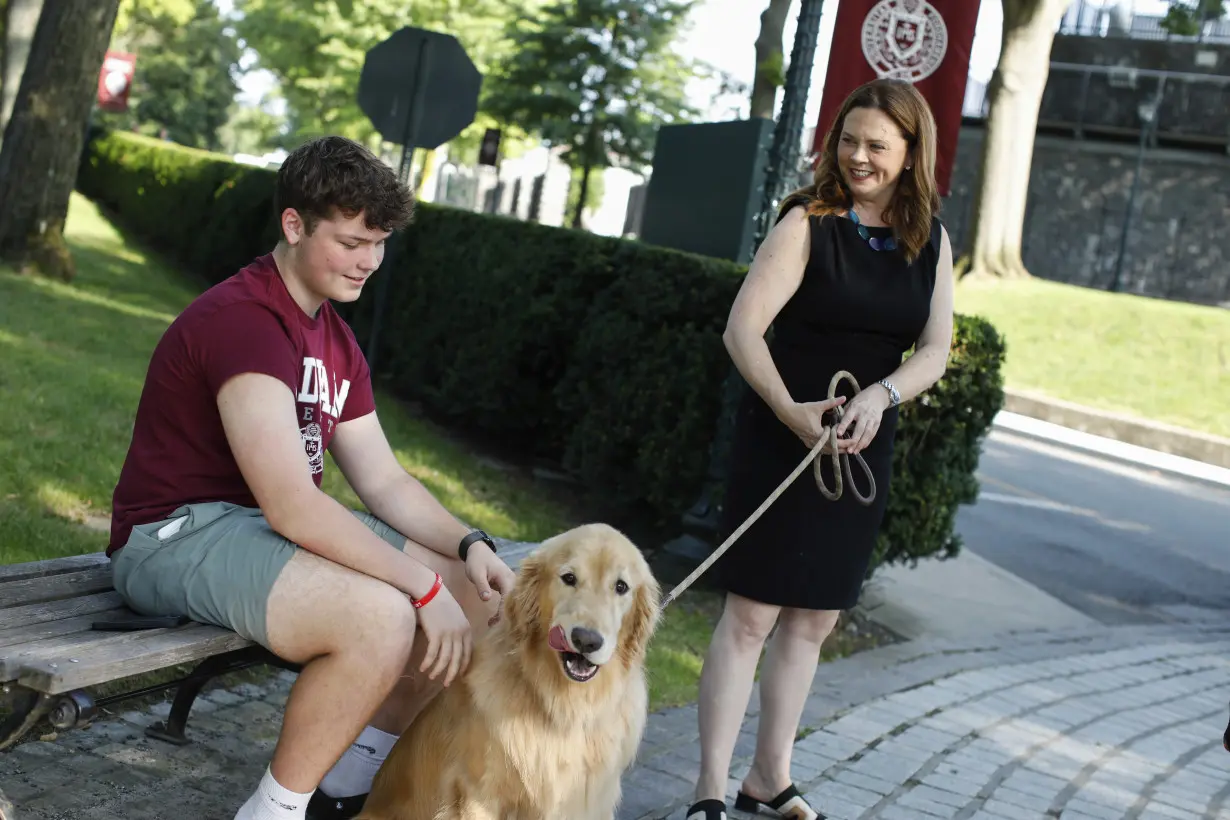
(1081, 725)
(1105, 723)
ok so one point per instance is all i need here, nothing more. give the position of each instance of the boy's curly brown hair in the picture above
(334, 174)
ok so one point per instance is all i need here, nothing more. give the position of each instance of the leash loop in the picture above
(839, 459)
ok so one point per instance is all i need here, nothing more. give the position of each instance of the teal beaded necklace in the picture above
(876, 243)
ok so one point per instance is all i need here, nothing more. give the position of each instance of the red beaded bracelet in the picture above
(431, 593)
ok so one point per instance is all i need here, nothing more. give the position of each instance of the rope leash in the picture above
(827, 443)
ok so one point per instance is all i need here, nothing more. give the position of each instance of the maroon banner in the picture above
(115, 80)
(926, 42)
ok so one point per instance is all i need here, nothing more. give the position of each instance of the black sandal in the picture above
(706, 810)
(788, 804)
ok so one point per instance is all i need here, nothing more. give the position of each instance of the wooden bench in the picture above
(51, 656)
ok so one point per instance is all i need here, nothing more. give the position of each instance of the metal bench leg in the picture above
(26, 707)
(172, 730)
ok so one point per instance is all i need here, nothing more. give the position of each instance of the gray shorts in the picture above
(214, 562)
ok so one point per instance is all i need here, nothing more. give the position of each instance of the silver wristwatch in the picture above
(893, 396)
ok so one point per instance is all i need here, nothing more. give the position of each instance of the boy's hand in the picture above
(448, 635)
(489, 575)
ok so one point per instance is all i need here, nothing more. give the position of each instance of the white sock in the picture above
(273, 801)
(354, 772)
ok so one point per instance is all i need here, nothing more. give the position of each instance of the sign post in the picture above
(420, 89)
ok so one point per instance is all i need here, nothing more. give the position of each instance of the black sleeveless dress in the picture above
(859, 310)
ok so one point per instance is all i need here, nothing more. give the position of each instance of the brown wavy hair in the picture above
(333, 174)
(916, 199)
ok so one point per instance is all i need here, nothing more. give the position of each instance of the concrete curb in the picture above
(1149, 435)
(1112, 449)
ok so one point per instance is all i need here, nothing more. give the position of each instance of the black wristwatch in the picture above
(477, 535)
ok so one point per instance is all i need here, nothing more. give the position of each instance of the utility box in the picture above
(706, 187)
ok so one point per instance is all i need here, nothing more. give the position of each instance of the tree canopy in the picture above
(595, 78)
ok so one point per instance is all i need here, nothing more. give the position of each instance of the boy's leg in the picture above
(219, 563)
(307, 711)
(414, 690)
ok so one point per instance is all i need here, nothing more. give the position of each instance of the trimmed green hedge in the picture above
(603, 355)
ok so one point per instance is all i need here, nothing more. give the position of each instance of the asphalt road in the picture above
(1118, 543)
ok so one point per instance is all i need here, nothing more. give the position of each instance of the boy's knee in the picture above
(384, 626)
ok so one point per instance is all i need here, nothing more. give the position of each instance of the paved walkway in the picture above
(1084, 724)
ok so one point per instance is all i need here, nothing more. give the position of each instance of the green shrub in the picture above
(600, 354)
(939, 438)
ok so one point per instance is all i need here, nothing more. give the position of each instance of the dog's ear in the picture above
(641, 620)
(524, 608)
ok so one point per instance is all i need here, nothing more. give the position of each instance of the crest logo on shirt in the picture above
(313, 445)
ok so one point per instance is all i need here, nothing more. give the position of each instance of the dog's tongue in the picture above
(557, 640)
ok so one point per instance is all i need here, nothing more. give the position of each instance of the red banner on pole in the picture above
(115, 80)
(926, 42)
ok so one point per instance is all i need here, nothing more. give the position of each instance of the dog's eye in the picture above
(569, 579)
(620, 587)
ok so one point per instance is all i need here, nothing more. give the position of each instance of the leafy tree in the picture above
(187, 60)
(1016, 94)
(596, 76)
(1186, 18)
(253, 129)
(44, 138)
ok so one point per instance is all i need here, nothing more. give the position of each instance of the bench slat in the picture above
(51, 629)
(55, 587)
(52, 566)
(59, 610)
(152, 650)
(67, 648)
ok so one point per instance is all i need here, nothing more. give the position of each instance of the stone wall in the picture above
(1178, 246)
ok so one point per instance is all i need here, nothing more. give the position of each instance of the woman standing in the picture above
(856, 271)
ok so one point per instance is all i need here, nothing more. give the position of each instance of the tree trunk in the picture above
(1007, 153)
(43, 142)
(22, 17)
(583, 194)
(769, 58)
(588, 162)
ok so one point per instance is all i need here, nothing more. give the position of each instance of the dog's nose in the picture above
(586, 640)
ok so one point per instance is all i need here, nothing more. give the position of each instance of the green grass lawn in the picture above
(1149, 358)
(72, 361)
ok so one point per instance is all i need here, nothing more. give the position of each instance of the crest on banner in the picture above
(904, 39)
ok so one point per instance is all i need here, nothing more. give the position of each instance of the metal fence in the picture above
(1178, 108)
(1105, 19)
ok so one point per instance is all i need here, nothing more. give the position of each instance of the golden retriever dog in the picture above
(551, 710)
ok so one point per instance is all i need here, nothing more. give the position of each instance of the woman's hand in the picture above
(806, 419)
(862, 419)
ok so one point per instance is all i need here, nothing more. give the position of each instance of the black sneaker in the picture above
(324, 807)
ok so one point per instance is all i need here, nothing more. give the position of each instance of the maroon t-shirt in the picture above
(247, 324)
